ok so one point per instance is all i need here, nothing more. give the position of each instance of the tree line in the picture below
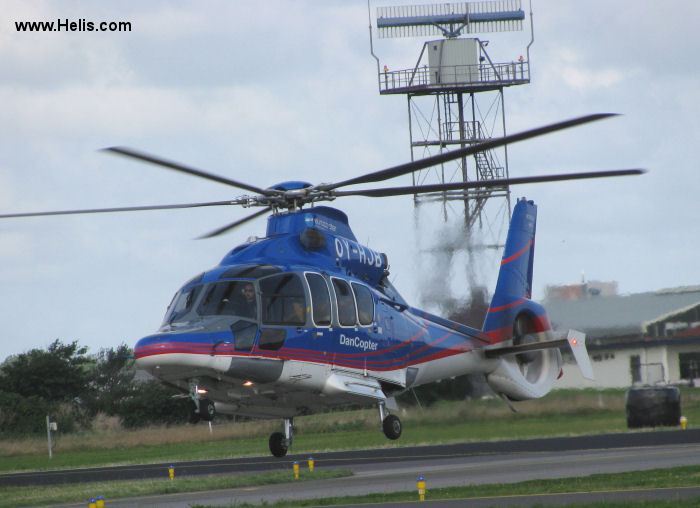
(71, 386)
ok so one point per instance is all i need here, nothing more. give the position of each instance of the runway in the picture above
(396, 469)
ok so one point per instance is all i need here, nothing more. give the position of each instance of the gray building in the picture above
(644, 338)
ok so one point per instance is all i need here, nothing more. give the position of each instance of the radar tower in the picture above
(455, 99)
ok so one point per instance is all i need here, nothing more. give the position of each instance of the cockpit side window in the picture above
(346, 303)
(229, 298)
(320, 299)
(283, 300)
(365, 304)
(182, 304)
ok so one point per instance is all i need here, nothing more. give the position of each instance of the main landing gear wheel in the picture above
(392, 427)
(278, 444)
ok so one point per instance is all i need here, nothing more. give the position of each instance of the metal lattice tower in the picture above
(455, 99)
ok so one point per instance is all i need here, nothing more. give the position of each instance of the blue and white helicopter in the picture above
(305, 318)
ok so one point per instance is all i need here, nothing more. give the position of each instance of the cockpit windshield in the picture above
(230, 298)
(182, 305)
(278, 300)
(224, 298)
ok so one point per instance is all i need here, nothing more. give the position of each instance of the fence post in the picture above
(48, 433)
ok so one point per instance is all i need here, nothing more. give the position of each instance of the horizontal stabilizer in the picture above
(574, 339)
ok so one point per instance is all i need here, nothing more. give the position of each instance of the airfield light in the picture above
(100, 502)
(93, 503)
(574, 342)
(295, 467)
(171, 472)
(311, 464)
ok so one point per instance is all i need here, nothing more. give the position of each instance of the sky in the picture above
(264, 92)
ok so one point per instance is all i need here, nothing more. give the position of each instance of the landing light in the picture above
(248, 383)
(201, 391)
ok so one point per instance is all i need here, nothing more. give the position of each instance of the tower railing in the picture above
(471, 77)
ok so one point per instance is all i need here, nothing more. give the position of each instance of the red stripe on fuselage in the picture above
(540, 324)
(355, 360)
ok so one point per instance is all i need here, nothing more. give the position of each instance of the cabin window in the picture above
(230, 298)
(365, 304)
(182, 304)
(283, 300)
(346, 303)
(320, 299)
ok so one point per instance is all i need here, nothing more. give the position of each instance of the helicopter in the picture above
(305, 318)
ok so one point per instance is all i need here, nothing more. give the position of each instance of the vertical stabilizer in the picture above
(514, 286)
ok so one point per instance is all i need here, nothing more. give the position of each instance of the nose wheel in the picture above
(391, 425)
(200, 408)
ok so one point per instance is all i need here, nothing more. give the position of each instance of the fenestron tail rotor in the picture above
(293, 195)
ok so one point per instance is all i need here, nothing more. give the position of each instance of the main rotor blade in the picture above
(128, 152)
(119, 209)
(229, 227)
(441, 187)
(402, 169)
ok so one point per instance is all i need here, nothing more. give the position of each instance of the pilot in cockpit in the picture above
(248, 305)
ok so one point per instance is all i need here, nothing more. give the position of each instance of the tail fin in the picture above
(514, 286)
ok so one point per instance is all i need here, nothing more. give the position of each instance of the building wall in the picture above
(612, 367)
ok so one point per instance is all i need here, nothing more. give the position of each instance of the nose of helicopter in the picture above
(184, 355)
(184, 349)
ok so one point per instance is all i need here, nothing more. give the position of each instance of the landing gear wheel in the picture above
(207, 411)
(392, 427)
(278, 444)
(192, 414)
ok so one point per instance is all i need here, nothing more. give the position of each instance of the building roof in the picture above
(617, 316)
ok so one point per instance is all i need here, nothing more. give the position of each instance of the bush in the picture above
(22, 416)
(153, 404)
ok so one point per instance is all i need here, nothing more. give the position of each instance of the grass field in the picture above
(561, 413)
